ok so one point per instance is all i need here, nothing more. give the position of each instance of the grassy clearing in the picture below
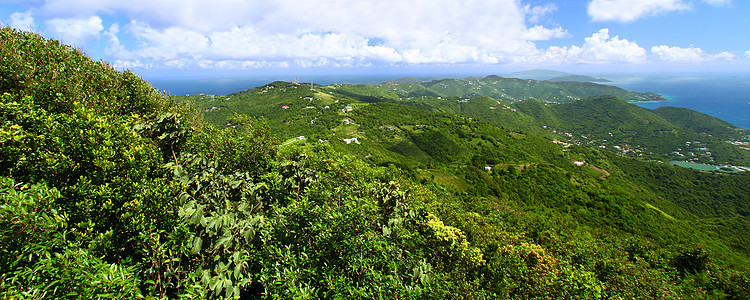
(659, 210)
(444, 179)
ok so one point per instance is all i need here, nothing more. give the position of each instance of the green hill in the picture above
(597, 121)
(512, 89)
(110, 190)
(698, 122)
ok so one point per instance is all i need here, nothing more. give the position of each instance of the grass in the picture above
(444, 179)
(659, 210)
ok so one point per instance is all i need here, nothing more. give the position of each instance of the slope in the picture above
(599, 121)
(528, 172)
(513, 89)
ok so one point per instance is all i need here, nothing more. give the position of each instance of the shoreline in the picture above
(664, 98)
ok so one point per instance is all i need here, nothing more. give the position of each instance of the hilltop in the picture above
(109, 189)
(512, 89)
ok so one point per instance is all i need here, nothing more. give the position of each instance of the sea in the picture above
(725, 96)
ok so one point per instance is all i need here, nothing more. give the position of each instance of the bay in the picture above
(725, 96)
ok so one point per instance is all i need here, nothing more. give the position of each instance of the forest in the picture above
(110, 189)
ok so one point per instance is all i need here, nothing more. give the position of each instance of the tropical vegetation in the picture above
(109, 189)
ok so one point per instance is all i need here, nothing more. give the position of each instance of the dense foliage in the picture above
(111, 190)
(512, 89)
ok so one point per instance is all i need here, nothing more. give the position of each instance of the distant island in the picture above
(579, 78)
(538, 74)
(515, 89)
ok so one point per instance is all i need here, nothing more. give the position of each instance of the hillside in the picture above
(697, 122)
(512, 89)
(601, 121)
(429, 145)
(109, 189)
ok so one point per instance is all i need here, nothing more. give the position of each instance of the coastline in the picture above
(664, 99)
(655, 98)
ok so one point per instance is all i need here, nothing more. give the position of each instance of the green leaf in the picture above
(197, 244)
(237, 270)
(214, 283)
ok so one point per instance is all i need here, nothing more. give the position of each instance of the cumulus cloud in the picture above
(600, 47)
(245, 34)
(631, 10)
(22, 21)
(168, 44)
(678, 54)
(336, 33)
(747, 53)
(75, 31)
(691, 54)
(540, 33)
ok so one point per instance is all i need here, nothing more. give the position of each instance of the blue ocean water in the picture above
(725, 96)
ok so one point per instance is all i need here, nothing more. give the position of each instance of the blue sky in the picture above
(163, 38)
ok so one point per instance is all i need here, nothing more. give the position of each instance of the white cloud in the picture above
(74, 31)
(128, 64)
(747, 53)
(718, 2)
(310, 34)
(169, 44)
(600, 47)
(247, 34)
(691, 54)
(724, 55)
(631, 10)
(540, 33)
(199, 15)
(22, 21)
(535, 13)
(678, 54)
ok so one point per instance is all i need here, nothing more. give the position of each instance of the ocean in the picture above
(725, 96)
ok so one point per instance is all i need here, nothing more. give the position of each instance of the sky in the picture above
(256, 37)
